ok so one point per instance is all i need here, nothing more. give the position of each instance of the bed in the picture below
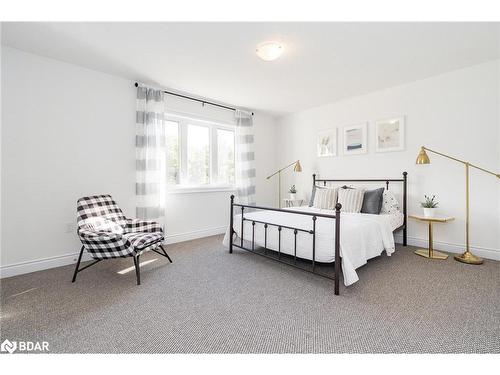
(310, 238)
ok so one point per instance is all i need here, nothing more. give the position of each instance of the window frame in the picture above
(183, 120)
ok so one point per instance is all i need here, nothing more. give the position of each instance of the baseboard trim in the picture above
(41, 264)
(63, 260)
(484, 252)
(187, 236)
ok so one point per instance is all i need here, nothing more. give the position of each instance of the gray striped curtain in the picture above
(150, 151)
(245, 158)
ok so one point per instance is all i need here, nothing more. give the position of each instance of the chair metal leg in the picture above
(77, 265)
(161, 247)
(137, 269)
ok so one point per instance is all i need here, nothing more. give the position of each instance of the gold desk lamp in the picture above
(296, 168)
(423, 158)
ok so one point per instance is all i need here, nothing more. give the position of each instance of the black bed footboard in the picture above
(312, 232)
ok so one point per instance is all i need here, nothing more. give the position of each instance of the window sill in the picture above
(195, 190)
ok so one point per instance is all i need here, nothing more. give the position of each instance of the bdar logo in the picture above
(8, 346)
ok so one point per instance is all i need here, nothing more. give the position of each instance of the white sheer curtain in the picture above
(245, 158)
(150, 146)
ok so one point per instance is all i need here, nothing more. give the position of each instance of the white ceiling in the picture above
(323, 62)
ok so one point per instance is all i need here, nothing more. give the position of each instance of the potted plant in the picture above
(293, 192)
(429, 205)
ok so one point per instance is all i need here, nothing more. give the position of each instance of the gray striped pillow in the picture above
(351, 199)
(325, 198)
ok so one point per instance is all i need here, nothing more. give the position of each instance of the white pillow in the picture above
(100, 224)
(325, 198)
(351, 199)
(390, 204)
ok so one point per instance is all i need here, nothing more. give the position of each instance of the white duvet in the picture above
(362, 236)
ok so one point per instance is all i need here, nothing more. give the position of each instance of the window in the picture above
(173, 157)
(225, 156)
(200, 153)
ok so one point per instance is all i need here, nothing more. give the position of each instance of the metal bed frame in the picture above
(312, 231)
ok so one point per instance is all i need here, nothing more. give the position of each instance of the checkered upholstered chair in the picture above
(106, 233)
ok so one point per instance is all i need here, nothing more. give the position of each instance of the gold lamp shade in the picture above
(422, 157)
(297, 167)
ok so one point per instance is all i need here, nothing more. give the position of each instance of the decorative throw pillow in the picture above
(100, 224)
(351, 199)
(372, 201)
(390, 204)
(325, 198)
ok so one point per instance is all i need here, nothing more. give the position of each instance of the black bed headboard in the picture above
(404, 180)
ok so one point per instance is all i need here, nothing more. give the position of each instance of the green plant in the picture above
(429, 202)
(292, 189)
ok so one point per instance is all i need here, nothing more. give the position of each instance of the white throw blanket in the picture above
(362, 236)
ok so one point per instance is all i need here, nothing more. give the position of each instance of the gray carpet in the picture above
(209, 301)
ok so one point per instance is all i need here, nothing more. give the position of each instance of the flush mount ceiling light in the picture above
(269, 51)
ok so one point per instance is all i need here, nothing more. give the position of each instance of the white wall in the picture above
(1, 127)
(498, 127)
(69, 132)
(456, 113)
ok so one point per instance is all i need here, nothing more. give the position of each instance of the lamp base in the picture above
(431, 255)
(468, 258)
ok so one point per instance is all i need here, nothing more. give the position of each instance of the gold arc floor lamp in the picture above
(423, 158)
(296, 168)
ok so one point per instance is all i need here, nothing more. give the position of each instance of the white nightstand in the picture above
(293, 202)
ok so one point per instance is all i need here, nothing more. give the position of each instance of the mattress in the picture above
(395, 220)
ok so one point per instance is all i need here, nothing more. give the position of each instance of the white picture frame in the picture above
(327, 143)
(355, 139)
(390, 134)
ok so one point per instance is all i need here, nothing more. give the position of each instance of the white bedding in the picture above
(362, 236)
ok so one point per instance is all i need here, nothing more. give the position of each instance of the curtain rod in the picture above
(203, 102)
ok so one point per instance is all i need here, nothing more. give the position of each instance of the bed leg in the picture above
(405, 208)
(242, 225)
(231, 233)
(338, 206)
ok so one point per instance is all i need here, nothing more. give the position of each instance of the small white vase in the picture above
(292, 196)
(429, 212)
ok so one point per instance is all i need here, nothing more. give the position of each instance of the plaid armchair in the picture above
(106, 233)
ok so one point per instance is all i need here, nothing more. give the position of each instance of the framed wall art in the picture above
(390, 135)
(355, 139)
(327, 143)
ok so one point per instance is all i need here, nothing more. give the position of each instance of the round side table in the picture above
(430, 252)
